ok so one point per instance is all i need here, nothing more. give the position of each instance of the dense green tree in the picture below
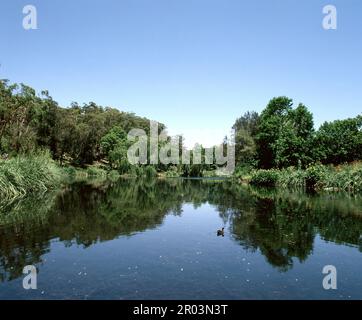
(294, 144)
(45, 122)
(29, 122)
(268, 132)
(339, 141)
(114, 146)
(245, 131)
(19, 108)
(284, 136)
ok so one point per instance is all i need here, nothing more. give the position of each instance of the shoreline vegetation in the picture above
(318, 177)
(24, 175)
(37, 174)
(44, 146)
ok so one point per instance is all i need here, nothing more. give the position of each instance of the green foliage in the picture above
(284, 137)
(173, 172)
(345, 177)
(243, 171)
(271, 121)
(192, 170)
(135, 171)
(73, 135)
(114, 146)
(69, 171)
(264, 178)
(316, 176)
(113, 175)
(150, 172)
(350, 180)
(142, 171)
(342, 178)
(291, 178)
(21, 176)
(293, 146)
(20, 110)
(93, 171)
(112, 139)
(339, 141)
(280, 137)
(245, 130)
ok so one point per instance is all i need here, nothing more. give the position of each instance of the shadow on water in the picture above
(281, 225)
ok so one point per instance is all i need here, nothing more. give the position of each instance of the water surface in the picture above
(157, 240)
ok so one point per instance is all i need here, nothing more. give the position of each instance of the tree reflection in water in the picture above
(281, 225)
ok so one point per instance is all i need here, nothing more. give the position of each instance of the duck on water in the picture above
(220, 232)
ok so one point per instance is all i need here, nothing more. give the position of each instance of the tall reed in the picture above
(23, 175)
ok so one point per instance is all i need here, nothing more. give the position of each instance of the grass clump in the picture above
(93, 171)
(173, 172)
(23, 175)
(264, 178)
(291, 178)
(345, 177)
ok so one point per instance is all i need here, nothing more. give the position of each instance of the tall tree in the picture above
(294, 144)
(245, 131)
(271, 121)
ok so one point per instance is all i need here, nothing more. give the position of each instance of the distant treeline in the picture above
(29, 122)
(76, 135)
(279, 137)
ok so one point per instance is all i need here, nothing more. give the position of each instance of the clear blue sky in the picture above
(194, 65)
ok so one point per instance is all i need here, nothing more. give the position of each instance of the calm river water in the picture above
(157, 239)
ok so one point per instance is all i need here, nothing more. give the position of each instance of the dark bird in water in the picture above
(220, 232)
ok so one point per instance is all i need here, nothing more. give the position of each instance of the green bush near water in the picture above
(93, 171)
(291, 178)
(21, 175)
(265, 178)
(348, 178)
(317, 177)
(142, 171)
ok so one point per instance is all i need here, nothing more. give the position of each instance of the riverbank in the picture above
(318, 177)
(36, 174)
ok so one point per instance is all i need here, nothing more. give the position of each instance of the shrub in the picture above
(172, 172)
(134, 171)
(69, 171)
(243, 171)
(95, 171)
(113, 175)
(21, 175)
(316, 177)
(348, 178)
(150, 171)
(265, 178)
(291, 177)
